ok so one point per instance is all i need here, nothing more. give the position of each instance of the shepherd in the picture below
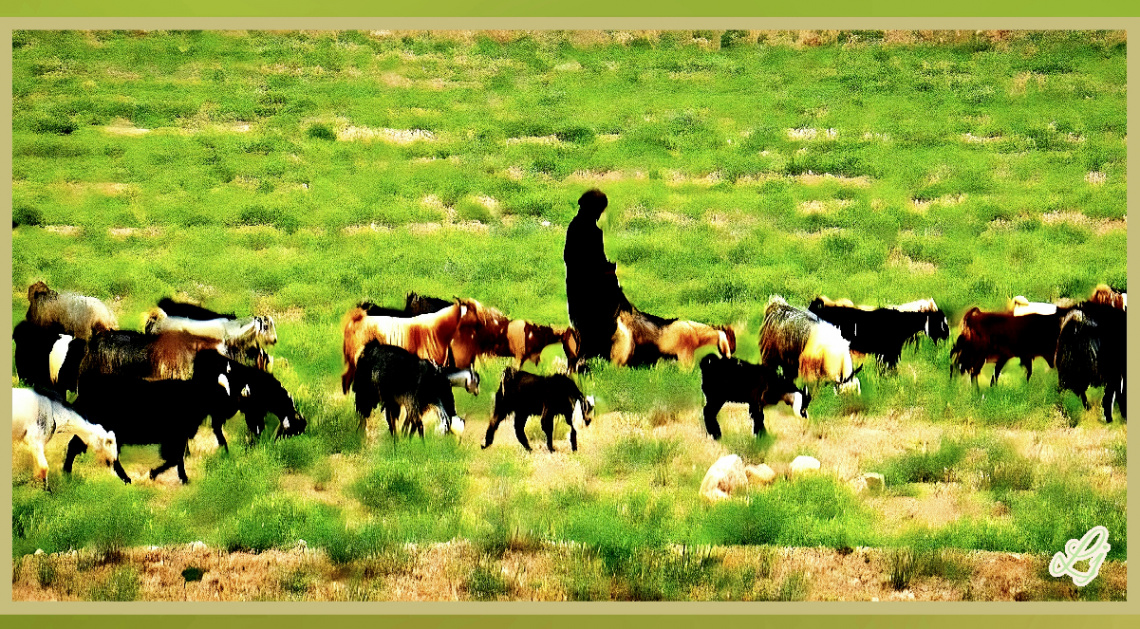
(593, 296)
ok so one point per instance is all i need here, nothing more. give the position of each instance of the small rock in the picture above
(39, 551)
(199, 545)
(802, 464)
(723, 477)
(760, 474)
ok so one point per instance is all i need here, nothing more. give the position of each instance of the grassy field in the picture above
(297, 173)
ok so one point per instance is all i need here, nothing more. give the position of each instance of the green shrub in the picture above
(269, 522)
(321, 132)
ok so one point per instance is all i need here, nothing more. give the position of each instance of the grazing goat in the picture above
(642, 339)
(1091, 353)
(36, 418)
(41, 357)
(803, 345)
(396, 379)
(883, 331)
(1000, 336)
(427, 336)
(733, 380)
(257, 394)
(245, 339)
(524, 394)
(76, 315)
(145, 412)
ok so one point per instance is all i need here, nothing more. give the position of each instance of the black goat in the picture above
(733, 380)
(258, 394)
(394, 378)
(884, 331)
(1091, 353)
(145, 412)
(524, 394)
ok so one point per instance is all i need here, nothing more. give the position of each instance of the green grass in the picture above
(248, 195)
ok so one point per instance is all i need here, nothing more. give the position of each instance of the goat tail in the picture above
(347, 377)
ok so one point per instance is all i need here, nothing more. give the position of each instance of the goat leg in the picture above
(221, 437)
(1109, 398)
(520, 430)
(491, 428)
(75, 447)
(162, 468)
(547, 421)
(997, 370)
(121, 472)
(757, 413)
(712, 407)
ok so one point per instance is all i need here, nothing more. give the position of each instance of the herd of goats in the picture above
(191, 363)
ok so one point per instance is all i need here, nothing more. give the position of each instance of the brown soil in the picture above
(442, 572)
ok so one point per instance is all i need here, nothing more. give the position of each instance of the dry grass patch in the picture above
(124, 129)
(1096, 178)
(898, 259)
(394, 136)
(371, 228)
(549, 140)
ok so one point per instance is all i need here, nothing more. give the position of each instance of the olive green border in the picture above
(530, 615)
(600, 8)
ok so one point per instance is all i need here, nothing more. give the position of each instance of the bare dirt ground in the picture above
(440, 572)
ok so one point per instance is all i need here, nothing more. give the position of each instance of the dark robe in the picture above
(593, 296)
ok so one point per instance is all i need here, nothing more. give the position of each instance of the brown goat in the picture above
(74, 314)
(427, 336)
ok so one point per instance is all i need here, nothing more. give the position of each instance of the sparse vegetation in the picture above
(298, 173)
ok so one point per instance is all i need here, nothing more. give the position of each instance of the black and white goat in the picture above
(524, 394)
(732, 380)
(396, 379)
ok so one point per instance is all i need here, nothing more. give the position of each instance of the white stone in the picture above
(760, 474)
(802, 464)
(723, 477)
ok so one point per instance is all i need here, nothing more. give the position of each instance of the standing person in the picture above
(593, 296)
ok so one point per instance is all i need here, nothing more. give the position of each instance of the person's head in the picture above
(592, 203)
